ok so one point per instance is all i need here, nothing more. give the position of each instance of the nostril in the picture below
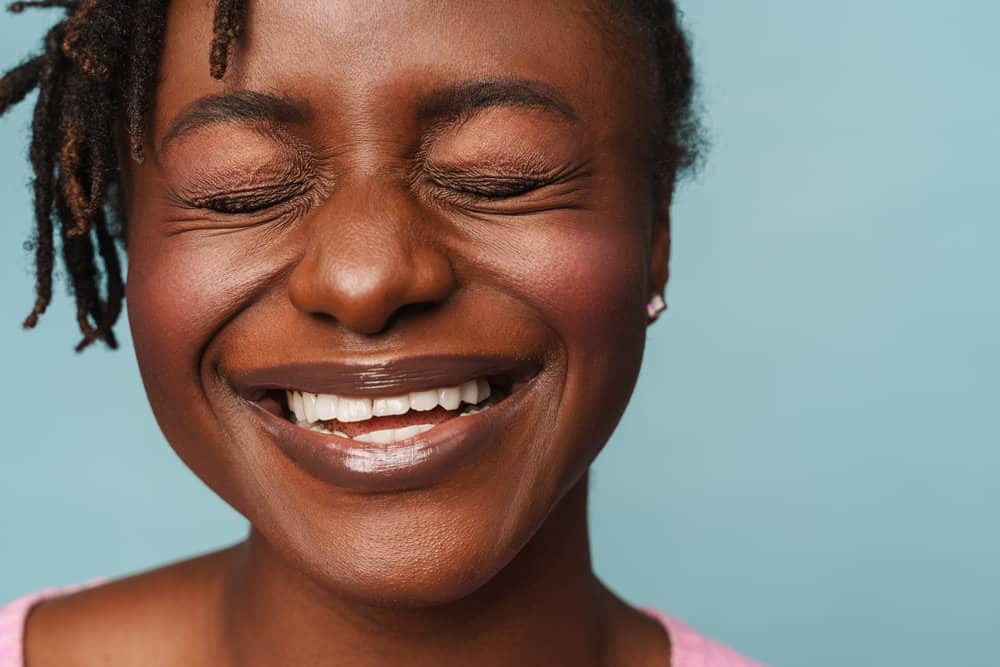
(409, 311)
(366, 283)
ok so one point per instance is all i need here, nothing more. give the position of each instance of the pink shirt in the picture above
(688, 648)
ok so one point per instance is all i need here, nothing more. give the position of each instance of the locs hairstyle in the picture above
(96, 79)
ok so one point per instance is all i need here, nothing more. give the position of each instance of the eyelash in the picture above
(252, 201)
(490, 188)
(465, 188)
(230, 206)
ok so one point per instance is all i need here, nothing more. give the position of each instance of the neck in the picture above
(545, 607)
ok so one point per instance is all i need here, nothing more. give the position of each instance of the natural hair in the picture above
(98, 72)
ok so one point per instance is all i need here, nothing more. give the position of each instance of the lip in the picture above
(414, 463)
(388, 377)
(381, 468)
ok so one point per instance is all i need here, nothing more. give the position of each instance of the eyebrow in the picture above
(242, 106)
(445, 106)
(456, 103)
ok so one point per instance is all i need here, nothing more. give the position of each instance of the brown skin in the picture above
(491, 565)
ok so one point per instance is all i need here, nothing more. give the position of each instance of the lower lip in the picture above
(414, 463)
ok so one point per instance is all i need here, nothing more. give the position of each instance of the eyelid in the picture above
(566, 194)
(242, 201)
(502, 186)
(528, 165)
(273, 192)
(266, 158)
(465, 177)
(253, 187)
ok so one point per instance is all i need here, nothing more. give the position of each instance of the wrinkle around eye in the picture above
(571, 195)
(517, 189)
(275, 204)
(272, 220)
(246, 200)
(207, 179)
(214, 160)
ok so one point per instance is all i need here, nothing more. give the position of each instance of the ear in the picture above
(659, 250)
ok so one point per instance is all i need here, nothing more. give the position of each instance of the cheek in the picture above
(169, 305)
(182, 289)
(180, 292)
(588, 280)
(594, 284)
(168, 314)
(585, 277)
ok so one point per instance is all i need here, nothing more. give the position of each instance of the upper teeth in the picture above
(309, 407)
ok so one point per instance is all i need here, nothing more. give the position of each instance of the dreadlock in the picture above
(99, 68)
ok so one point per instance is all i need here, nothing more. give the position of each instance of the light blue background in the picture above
(809, 468)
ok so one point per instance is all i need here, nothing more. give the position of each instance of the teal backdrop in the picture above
(817, 418)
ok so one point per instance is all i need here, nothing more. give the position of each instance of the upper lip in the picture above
(388, 377)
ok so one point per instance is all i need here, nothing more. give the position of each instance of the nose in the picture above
(370, 256)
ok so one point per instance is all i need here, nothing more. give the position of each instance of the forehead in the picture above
(365, 60)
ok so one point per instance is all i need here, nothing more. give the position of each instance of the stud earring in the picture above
(655, 307)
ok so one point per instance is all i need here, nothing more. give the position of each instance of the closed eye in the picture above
(490, 187)
(244, 201)
(495, 182)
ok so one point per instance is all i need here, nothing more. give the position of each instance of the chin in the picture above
(419, 557)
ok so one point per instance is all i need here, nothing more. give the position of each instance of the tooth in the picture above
(293, 397)
(393, 405)
(383, 437)
(309, 406)
(424, 400)
(300, 406)
(407, 432)
(354, 409)
(469, 392)
(341, 434)
(326, 407)
(450, 398)
(482, 390)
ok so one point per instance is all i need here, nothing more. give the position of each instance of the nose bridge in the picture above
(367, 215)
(369, 253)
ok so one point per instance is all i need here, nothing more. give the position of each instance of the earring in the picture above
(655, 307)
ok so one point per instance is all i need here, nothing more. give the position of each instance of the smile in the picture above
(392, 419)
(388, 427)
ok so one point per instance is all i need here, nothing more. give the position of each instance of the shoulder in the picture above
(110, 623)
(14, 614)
(688, 648)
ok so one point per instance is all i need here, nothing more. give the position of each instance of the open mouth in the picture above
(391, 419)
(390, 425)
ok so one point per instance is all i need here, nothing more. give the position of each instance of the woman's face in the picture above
(383, 198)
